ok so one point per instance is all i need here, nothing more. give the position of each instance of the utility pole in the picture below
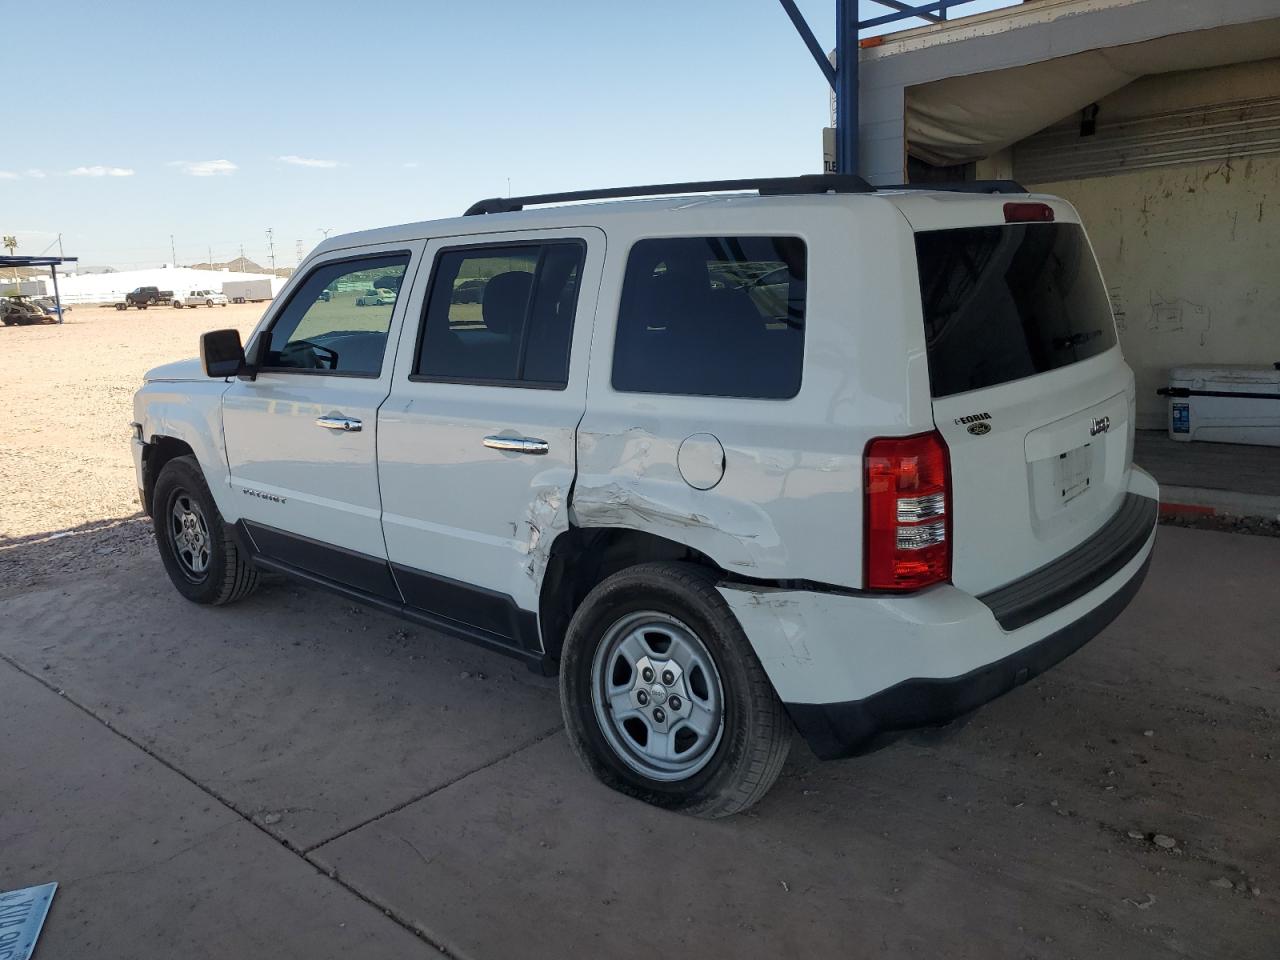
(241, 258)
(209, 250)
(173, 252)
(271, 247)
(299, 243)
(325, 231)
(60, 246)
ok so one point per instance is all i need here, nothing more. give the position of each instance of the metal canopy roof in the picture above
(35, 261)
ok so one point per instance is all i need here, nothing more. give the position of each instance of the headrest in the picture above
(505, 298)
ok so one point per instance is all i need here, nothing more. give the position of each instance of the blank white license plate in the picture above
(1072, 477)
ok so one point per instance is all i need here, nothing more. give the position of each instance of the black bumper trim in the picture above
(1077, 571)
(844, 729)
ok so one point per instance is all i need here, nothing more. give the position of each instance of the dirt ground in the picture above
(300, 777)
(65, 464)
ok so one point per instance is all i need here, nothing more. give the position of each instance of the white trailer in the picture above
(247, 291)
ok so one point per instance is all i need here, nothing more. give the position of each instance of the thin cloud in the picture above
(308, 161)
(7, 175)
(36, 174)
(411, 164)
(205, 168)
(100, 171)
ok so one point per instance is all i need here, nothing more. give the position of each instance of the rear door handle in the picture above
(517, 444)
(346, 424)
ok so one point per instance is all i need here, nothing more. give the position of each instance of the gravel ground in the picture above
(71, 500)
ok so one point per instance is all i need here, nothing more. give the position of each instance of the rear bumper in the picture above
(842, 729)
(850, 665)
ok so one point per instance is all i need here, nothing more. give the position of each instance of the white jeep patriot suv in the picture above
(806, 455)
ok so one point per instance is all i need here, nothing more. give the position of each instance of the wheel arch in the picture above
(582, 557)
(158, 452)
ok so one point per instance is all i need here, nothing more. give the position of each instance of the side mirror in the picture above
(221, 354)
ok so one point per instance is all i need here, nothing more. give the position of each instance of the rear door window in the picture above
(712, 316)
(1004, 303)
(502, 315)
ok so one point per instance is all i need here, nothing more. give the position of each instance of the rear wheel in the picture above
(208, 303)
(663, 697)
(196, 547)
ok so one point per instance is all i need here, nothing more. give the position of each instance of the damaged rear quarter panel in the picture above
(789, 505)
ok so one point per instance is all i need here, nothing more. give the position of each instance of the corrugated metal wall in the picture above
(1227, 131)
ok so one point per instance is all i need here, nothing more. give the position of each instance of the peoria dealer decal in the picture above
(975, 423)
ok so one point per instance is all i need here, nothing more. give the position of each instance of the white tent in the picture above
(110, 287)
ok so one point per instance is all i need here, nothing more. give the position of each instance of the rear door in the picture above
(476, 442)
(1029, 388)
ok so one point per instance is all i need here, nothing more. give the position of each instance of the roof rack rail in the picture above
(770, 186)
(962, 186)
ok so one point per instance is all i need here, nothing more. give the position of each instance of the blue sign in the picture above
(22, 914)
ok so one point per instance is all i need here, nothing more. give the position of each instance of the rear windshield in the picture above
(1003, 303)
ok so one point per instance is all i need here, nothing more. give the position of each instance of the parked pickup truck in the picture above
(809, 456)
(143, 297)
(200, 298)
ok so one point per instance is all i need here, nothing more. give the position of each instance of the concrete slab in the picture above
(1010, 836)
(1005, 837)
(148, 864)
(297, 708)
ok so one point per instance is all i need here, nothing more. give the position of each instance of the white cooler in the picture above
(1225, 404)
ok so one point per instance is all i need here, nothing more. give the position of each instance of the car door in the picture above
(476, 443)
(301, 435)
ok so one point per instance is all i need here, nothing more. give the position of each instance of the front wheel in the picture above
(663, 697)
(197, 550)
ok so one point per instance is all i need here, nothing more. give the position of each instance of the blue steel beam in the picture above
(846, 86)
(810, 41)
(907, 9)
(906, 13)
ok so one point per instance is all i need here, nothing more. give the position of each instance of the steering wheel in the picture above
(308, 355)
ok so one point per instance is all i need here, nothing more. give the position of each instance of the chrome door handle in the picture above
(346, 424)
(517, 444)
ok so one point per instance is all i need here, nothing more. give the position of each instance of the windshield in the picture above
(1003, 303)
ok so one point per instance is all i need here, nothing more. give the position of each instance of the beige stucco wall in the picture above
(1191, 255)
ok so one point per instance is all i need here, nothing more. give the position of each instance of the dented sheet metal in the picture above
(718, 527)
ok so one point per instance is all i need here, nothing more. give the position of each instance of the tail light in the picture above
(907, 512)
(1028, 212)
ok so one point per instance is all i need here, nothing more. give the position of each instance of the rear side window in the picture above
(712, 316)
(1003, 303)
(501, 315)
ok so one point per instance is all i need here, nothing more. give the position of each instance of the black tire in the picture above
(228, 576)
(177, 305)
(756, 734)
(208, 303)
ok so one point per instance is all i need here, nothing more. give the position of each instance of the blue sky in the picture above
(213, 122)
